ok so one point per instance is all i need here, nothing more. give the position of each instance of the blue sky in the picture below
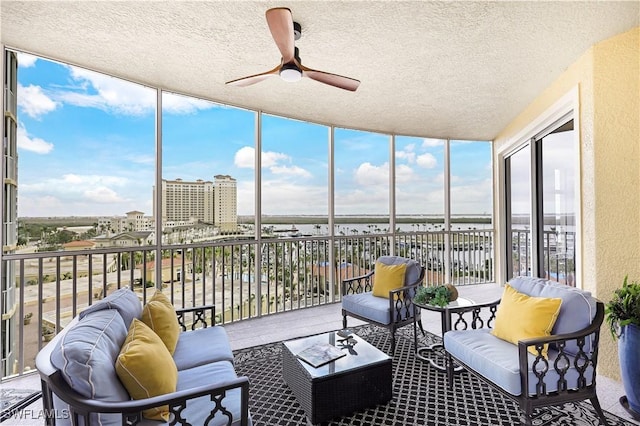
(86, 146)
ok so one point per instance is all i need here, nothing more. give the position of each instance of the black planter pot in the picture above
(629, 352)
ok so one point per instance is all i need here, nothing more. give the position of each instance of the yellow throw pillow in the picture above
(387, 278)
(145, 368)
(160, 315)
(520, 316)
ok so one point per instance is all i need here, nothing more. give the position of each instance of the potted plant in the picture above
(439, 295)
(27, 318)
(623, 317)
(48, 331)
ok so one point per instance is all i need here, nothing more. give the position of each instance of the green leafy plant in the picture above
(624, 308)
(439, 295)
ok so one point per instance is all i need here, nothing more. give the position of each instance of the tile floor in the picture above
(303, 322)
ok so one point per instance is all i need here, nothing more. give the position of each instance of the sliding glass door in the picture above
(541, 200)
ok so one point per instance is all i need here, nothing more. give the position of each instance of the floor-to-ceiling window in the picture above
(251, 212)
(419, 183)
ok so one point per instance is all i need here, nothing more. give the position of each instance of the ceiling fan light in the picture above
(290, 73)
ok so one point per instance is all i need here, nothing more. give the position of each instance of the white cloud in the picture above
(404, 174)
(92, 181)
(430, 143)
(108, 93)
(367, 174)
(298, 199)
(406, 155)
(37, 145)
(102, 195)
(123, 97)
(25, 60)
(245, 158)
(290, 171)
(178, 104)
(34, 102)
(271, 159)
(427, 161)
(85, 194)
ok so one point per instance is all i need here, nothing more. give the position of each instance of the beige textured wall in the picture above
(608, 77)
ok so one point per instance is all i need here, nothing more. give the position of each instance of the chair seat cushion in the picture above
(207, 345)
(497, 360)
(198, 409)
(376, 309)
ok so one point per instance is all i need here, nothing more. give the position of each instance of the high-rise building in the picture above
(187, 201)
(203, 201)
(225, 203)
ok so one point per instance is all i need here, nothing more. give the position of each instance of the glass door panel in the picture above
(518, 185)
(559, 201)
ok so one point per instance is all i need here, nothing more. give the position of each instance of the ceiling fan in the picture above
(284, 32)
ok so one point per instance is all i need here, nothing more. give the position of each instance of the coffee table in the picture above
(361, 379)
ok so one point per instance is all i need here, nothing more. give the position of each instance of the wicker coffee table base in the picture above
(327, 397)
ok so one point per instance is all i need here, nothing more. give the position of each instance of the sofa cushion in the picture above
(577, 311)
(497, 360)
(202, 346)
(198, 409)
(124, 300)
(520, 317)
(146, 367)
(387, 278)
(160, 315)
(86, 356)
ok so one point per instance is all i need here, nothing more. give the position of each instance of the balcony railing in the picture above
(559, 254)
(242, 278)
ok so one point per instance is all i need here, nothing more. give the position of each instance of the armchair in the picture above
(392, 311)
(533, 371)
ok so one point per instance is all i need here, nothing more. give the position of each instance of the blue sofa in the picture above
(79, 380)
(567, 373)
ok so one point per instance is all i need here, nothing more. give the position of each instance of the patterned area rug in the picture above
(12, 400)
(420, 393)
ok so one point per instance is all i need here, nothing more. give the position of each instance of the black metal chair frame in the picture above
(584, 388)
(400, 303)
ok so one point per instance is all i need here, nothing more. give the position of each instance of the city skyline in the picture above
(86, 144)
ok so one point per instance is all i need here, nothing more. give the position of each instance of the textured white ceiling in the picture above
(428, 68)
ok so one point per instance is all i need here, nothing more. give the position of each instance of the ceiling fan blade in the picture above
(253, 79)
(280, 24)
(336, 80)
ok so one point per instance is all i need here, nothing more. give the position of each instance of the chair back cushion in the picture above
(413, 271)
(124, 300)
(86, 358)
(577, 311)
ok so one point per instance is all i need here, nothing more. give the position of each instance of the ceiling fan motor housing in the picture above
(297, 31)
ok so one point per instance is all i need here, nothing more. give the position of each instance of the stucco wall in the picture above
(608, 81)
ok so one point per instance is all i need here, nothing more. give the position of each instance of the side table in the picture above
(426, 353)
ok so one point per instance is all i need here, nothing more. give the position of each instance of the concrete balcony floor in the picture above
(288, 325)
